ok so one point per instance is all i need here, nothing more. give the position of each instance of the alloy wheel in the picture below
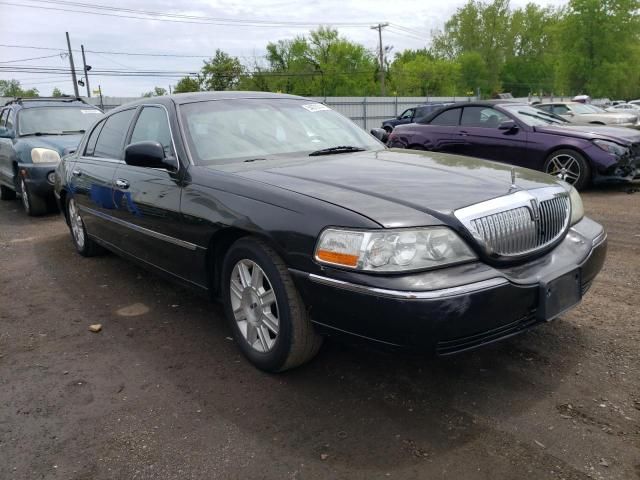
(77, 227)
(565, 167)
(254, 304)
(25, 196)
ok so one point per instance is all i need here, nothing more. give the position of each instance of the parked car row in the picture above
(305, 226)
(584, 113)
(522, 135)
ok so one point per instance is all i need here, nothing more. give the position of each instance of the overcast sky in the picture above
(45, 28)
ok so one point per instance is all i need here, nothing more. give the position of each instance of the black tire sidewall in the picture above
(274, 359)
(585, 168)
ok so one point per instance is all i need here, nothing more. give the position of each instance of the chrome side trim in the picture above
(408, 295)
(137, 228)
(602, 236)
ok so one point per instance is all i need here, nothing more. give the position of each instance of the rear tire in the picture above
(84, 245)
(34, 205)
(269, 320)
(7, 193)
(570, 166)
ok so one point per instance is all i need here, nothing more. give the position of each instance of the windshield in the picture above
(56, 120)
(228, 131)
(582, 109)
(533, 116)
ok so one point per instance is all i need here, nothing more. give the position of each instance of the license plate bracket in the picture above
(559, 295)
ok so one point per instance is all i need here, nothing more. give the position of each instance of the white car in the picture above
(625, 107)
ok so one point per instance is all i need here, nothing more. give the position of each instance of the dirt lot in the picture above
(163, 393)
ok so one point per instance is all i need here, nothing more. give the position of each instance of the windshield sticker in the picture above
(315, 107)
(90, 111)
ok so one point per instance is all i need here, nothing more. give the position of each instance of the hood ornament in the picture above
(513, 178)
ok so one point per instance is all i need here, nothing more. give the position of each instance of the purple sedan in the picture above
(521, 135)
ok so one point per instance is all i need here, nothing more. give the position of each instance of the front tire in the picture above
(268, 318)
(7, 193)
(34, 205)
(570, 166)
(84, 245)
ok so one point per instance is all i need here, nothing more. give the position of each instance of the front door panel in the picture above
(147, 209)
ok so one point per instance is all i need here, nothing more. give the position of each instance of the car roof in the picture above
(183, 98)
(488, 103)
(36, 102)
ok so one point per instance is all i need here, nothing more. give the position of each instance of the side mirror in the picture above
(7, 132)
(149, 155)
(508, 125)
(381, 134)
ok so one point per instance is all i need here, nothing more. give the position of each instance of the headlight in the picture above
(577, 209)
(391, 250)
(611, 147)
(44, 155)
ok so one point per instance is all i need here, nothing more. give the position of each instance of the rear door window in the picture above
(93, 138)
(9, 120)
(447, 118)
(110, 143)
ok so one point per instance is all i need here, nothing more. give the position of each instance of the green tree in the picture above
(320, 64)
(222, 72)
(12, 88)
(187, 84)
(418, 73)
(598, 43)
(480, 28)
(57, 92)
(156, 92)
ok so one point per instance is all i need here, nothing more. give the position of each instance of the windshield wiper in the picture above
(338, 149)
(65, 132)
(39, 134)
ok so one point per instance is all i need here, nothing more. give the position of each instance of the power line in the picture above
(95, 6)
(33, 58)
(156, 16)
(393, 29)
(408, 30)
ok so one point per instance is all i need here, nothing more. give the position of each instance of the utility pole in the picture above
(379, 27)
(86, 72)
(101, 100)
(73, 68)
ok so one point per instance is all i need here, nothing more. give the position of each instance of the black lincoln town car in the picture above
(303, 225)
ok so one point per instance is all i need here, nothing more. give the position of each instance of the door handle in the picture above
(463, 133)
(122, 184)
(76, 172)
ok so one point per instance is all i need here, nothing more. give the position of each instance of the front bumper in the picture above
(453, 309)
(38, 177)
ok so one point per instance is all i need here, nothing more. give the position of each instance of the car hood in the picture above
(395, 188)
(609, 116)
(620, 134)
(60, 143)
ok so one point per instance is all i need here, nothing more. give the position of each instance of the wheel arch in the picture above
(567, 146)
(219, 245)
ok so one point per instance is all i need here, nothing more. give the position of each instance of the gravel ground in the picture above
(162, 392)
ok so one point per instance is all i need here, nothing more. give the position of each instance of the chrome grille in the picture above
(519, 223)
